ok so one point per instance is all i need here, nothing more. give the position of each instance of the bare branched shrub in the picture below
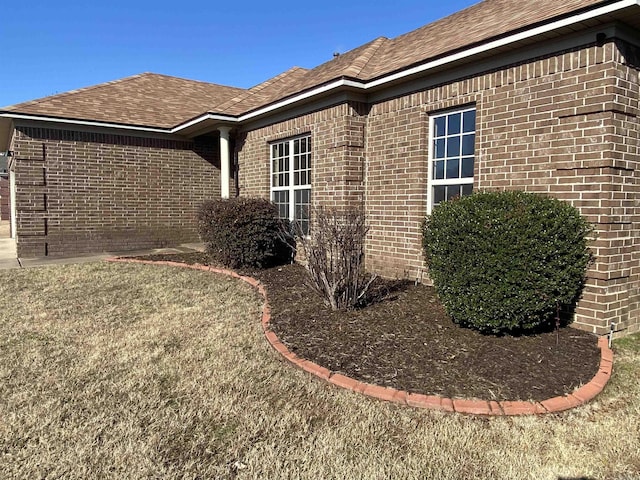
(334, 252)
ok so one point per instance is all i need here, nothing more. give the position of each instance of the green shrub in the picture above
(506, 261)
(243, 232)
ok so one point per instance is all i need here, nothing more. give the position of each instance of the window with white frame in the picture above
(291, 179)
(451, 155)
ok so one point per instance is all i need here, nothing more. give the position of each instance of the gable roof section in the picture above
(264, 93)
(350, 64)
(148, 99)
(479, 23)
(297, 79)
(178, 105)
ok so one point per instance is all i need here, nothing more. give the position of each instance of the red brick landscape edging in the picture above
(476, 407)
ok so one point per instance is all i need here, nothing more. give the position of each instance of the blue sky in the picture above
(50, 47)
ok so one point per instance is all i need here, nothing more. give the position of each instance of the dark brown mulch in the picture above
(406, 341)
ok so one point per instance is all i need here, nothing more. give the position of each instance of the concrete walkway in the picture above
(8, 256)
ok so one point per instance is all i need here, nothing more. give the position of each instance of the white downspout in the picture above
(12, 199)
(225, 168)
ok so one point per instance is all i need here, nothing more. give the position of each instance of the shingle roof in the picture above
(480, 22)
(264, 93)
(148, 99)
(162, 101)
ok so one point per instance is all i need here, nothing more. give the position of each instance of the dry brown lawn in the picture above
(143, 371)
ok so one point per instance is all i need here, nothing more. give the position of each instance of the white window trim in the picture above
(431, 182)
(291, 188)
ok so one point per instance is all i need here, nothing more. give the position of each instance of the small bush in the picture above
(334, 252)
(243, 232)
(506, 261)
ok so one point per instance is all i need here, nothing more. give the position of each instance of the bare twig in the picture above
(335, 256)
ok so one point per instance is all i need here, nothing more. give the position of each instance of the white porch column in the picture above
(225, 168)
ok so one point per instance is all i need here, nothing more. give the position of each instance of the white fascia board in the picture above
(363, 86)
(86, 123)
(505, 41)
(202, 118)
(607, 9)
(336, 84)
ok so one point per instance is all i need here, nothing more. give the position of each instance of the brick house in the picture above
(541, 96)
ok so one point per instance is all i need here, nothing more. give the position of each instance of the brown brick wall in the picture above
(565, 125)
(80, 192)
(337, 142)
(5, 208)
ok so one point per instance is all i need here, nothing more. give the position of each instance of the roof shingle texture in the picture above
(162, 101)
(148, 99)
(478, 23)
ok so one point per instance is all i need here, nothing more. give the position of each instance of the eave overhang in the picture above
(626, 11)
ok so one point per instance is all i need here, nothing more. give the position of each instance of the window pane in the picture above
(439, 148)
(467, 167)
(467, 189)
(296, 147)
(469, 121)
(302, 205)
(306, 195)
(281, 200)
(453, 191)
(468, 144)
(453, 168)
(453, 147)
(438, 170)
(439, 126)
(453, 123)
(438, 194)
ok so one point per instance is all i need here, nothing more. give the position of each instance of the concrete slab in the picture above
(5, 228)
(46, 261)
(10, 263)
(198, 247)
(7, 248)
(97, 257)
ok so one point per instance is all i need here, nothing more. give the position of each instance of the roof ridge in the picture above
(190, 80)
(74, 91)
(257, 88)
(272, 80)
(58, 96)
(457, 13)
(369, 54)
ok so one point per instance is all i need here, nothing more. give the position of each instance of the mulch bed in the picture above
(405, 340)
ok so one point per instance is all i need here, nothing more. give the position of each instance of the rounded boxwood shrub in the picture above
(506, 261)
(243, 232)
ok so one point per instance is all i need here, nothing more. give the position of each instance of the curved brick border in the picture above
(477, 407)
